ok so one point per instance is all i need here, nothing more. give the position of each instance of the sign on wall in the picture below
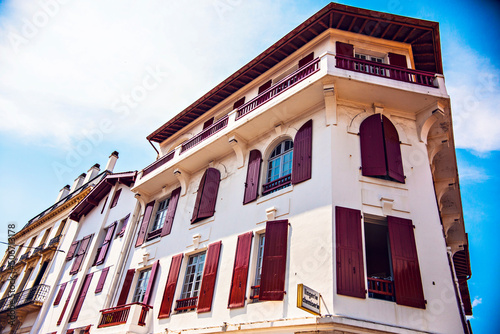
(308, 299)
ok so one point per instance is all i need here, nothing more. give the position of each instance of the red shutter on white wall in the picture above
(102, 280)
(253, 176)
(399, 61)
(237, 294)
(272, 282)
(127, 282)
(145, 222)
(124, 226)
(344, 49)
(60, 293)
(306, 60)
(407, 279)
(239, 103)
(116, 197)
(80, 256)
(393, 151)
(81, 298)
(265, 86)
(151, 282)
(66, 302)
(372, 147)
(302, 154)
(209, 277)
(72, 249)
(105, 245)
(169, 293)
(349, 253)
(172, 207)
(206, 200)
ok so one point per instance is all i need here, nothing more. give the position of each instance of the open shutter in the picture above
(306, 60)
(81, 298)
(208, 123)
(272, 281)
(105, 245)
(80, 254)
(237, 295)
(116, 197)
(151, 282)
(253, 176)
(239, 103)
(199, 195)
(169, 293)
(102, 280)
(265, 86)
(372, 147)
(207, 195)
(393, 151)
(66, 302)
(209, 277)
(127, 282)
(172, 206)
(399, 61)
(145, 222)
(60, 293)
(124, 225)
(72, 249)
(104, 205)
(344, 49)
(302, 154)
(349, 253)
(407, 280)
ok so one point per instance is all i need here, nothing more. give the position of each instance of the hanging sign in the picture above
(308, 299)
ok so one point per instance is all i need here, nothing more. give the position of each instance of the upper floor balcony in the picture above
(26, 300)
(124, 319)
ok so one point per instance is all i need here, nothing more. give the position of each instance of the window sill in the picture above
(150, 242)
(202, 222)
(278, 193)
(382, 182)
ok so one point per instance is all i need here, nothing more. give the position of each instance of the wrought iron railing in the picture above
(208, 132)
(154, 234)
(380, 286)
(54, 240)
(24, 256)
(186, 304)
(160, 162)
(35, 294)
(277, 184)
(38, 248)
(119, 315)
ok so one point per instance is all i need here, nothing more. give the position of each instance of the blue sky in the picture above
(66, 67)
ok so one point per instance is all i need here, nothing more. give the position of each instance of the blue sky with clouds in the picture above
(66, 66)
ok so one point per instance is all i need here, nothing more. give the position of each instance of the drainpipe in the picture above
(157, 153)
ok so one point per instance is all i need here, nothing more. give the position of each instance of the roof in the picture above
(423, 36)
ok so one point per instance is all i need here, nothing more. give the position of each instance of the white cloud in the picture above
(477, 301)
(472, 174)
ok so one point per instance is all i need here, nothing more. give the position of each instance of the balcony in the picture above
(158, 163)
(254, 295)
(277, 184)
(186, 304)
(207, 133)
(30, 298)
(131, 316)
(381, 288)
(154, 234)
(54, 241)
(38, 248)
(24, 256)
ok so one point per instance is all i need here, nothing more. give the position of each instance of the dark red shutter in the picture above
(406, 271)
(239, 103)
(116, 197)
(344, 49)
(106, 244)
(127, 282)
(302, 154)
(66, 302)
(172, 206)
(399, 61)
(81, 298)
(72, 249)
(151, 282)
(206, 200)
(253, 176)
(145, 222)
(169, 293)
(372, 147)
(393, 151)
(82, 250)
(209, 277)
(265, 86)
(237, 295)
(102, 280)
(208, 123)
(306, 60)
(272, 281)
(60, 293)
(349, 249)
(124, 225)
(70, 331)
(104, 205)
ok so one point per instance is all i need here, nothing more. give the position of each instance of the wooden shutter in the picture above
(72, 249)
(302, 154)
(127, 282)
(145, 222)
(169, 293)
(209, 277)
(60, 293)
(306, 60)
(208, 123)
(393, 151)
(105, 245)
(124, 225)
(349, 253)
(116, 197)
(104, 205)
(70, 331)
(406, 271)
(399, 61)
(237, 295)
(372, 147)
(207, 195)
(81, 298)
(344, 49)
(151, 282)
(239, 103)
(172, 206)
(102, 280)
(253, 176)
(66, 302)
(80, 254)
(272, 281)
(265, 86)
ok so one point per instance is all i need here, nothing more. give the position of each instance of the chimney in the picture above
(63, 193)
(78, 182)
(112, 161)
(92, 172)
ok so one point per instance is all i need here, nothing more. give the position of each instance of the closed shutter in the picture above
(169, 293)
(209, 277)
(115, 198)
(208, 123)
(104, 205)
(151, 282)
(393, 151)
(60, 293)
(172, 206)
(127, 282)
(399, 61)
(239, 280)
(306, 60)
(105, 245)
(206, 200)
(81, 298)
(72, 249)
(372, 147)
(265, 86)
(344, 49)
(239, 103)
(124, 225)
(102, 280)
(253, 176)
(199, 195)
(302, 154)
(272, 282)
(145, 222)
(66, 302)
(407, 280)
(80, 254)
(349, 253)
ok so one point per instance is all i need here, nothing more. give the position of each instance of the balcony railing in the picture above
(32, 295)
(186, 304)
(25, 256)
(208, 132)
(281, 86)
(386, 71)
(119, 315)
(378, 286)
(277, 184)
(54, 240)
(254, 295)
(38, 248)
(160, 162)
(154, 234)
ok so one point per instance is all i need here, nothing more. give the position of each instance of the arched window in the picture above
(279, 167)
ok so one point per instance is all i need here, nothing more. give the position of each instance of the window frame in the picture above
(257, 267)
(141, 285)
(272, 184)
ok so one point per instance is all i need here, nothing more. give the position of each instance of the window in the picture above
(279, 167)
(373, 69)
(161, 214)
(258, 268)
(141, 286)
(116, 197)
(192, 283)
(122, 226)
